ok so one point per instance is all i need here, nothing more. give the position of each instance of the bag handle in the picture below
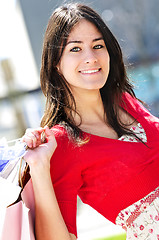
(24, 175)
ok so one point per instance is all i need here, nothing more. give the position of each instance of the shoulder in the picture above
(134, 107)
(127, 98)
(59, 131)
(63, 138)
(131, 103)
(61, 134)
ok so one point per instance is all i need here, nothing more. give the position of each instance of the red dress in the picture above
(107, 174)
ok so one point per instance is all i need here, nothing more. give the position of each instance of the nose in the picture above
(90, 56)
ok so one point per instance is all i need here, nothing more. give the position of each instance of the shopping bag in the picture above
(16, 218)
(10, 157)
(18, 222)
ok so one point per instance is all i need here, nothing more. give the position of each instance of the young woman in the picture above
(101, 143)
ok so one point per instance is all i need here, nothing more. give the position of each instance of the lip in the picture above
(90, 71)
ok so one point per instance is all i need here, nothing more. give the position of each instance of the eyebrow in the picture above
(94, 40)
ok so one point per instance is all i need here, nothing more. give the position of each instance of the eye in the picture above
(99, 46)
(75, 49)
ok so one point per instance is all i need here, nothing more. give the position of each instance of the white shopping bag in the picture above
(17, 220)
(10, 157)
(9, 193)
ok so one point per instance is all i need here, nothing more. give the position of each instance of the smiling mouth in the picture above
(90, 71)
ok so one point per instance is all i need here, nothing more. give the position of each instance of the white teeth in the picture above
(90, 71)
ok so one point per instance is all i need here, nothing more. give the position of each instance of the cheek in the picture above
(66, 68)
(107, 61)
(107, 56)
(62, 66)
(104, 57)
(66, 63)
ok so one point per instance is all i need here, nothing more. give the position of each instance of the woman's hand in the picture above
(40, 151)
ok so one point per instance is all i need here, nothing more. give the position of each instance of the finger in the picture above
(28, 141)
(31, 140)
(37, 132)
(48, 132)
(33, 137)
(50, 137)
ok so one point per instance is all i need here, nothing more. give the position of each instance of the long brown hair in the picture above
(59, 99)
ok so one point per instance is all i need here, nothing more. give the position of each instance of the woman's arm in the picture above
(49, 223)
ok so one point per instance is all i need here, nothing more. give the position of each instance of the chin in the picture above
(96, 86)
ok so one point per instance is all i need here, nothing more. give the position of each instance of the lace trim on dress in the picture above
(139, 131)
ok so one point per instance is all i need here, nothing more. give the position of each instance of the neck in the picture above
(89, 105)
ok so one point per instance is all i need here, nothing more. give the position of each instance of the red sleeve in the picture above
(66, 177)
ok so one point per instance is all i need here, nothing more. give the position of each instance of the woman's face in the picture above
(85, 59)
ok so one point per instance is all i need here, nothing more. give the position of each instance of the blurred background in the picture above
(135, 23)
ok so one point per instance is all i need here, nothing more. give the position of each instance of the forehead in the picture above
(84, 29)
